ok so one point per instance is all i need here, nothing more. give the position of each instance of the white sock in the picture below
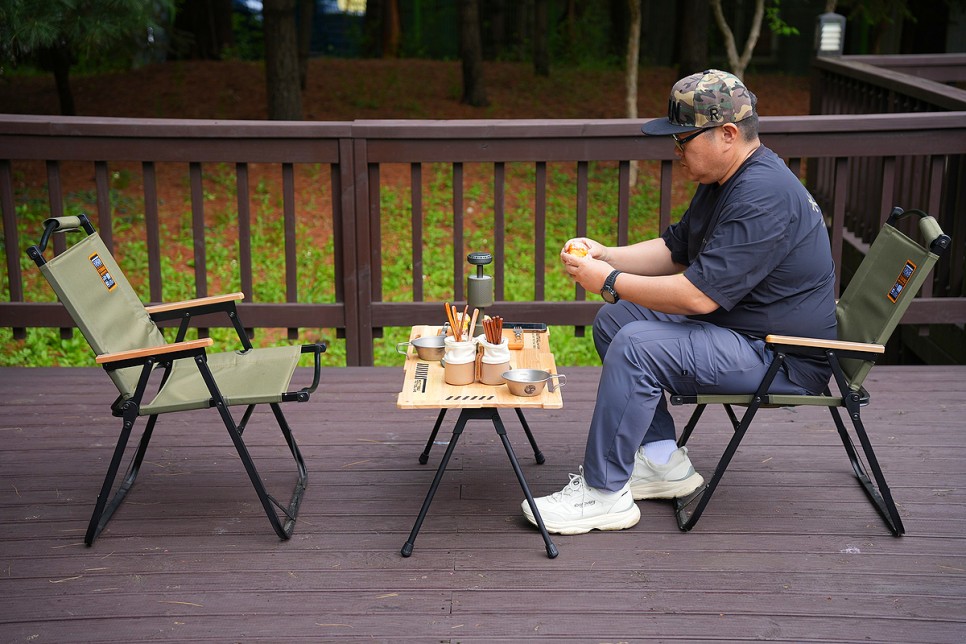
(659, 452)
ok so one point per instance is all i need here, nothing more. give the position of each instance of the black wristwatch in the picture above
(608, 292)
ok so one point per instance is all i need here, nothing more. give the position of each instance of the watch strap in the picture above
(612, 279)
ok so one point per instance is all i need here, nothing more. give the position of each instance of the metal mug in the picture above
(530, 382)
(430, 347)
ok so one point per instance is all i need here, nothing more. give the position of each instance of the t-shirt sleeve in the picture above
(745, 246)
(676, 240)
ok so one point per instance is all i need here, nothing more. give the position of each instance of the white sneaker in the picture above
(674, 479)
(579, 508)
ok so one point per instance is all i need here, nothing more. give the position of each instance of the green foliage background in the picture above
(316, 274)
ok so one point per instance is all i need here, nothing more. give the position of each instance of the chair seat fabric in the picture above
(244, 378)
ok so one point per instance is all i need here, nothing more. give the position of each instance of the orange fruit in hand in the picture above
(577, 249)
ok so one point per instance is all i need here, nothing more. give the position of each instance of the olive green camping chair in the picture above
(129, 345)
(884, 285)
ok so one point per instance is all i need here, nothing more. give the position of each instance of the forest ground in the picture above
(348, 89)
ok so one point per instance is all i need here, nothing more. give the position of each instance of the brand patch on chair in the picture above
(902, 280)
(102, 271)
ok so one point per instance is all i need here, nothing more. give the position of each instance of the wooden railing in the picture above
(863, 85)
(359, 153)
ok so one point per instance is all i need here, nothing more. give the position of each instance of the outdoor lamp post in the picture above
(830, 35)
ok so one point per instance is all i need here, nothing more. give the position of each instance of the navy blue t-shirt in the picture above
(758, 246)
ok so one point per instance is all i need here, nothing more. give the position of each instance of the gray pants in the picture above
(646, 353)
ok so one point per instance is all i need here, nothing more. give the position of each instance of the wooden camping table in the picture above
(425, 388)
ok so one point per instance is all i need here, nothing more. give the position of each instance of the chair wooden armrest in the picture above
(134, 354)
(839, 345)
(192, 304)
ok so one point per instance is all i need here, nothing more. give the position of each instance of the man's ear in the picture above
(730, 132)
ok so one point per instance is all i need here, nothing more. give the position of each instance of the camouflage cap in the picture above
(706, 99)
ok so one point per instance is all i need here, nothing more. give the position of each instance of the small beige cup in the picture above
(459, 363)
(459, 374)
(492, 373)
(494, 361)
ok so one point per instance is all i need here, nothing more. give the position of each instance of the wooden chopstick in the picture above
(493, 329)
(452, 322)
(476, 313)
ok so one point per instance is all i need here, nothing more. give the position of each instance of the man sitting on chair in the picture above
(687, 313)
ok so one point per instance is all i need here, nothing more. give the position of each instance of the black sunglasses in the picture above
(680, 141)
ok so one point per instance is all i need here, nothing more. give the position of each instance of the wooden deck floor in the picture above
(789, 549)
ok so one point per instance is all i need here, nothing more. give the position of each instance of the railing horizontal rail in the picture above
(360, 155)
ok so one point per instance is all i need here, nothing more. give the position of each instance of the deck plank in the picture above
(788, 550)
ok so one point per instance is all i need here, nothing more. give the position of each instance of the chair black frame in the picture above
(850, 395)
(281, 516)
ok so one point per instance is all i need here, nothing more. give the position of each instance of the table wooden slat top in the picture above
(424, 386)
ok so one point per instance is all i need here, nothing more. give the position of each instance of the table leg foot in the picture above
(460, 424)
(537, 454)
(407, 550)
(501, 430)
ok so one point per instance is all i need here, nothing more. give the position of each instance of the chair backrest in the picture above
(102, 303)
(884, 285)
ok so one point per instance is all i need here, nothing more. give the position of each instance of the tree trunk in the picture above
(471, 51)
(630, 75)
(64, 93)
(209, 23)
(498, 26)
(739, 63)
(693, 37)
(281, 61)
(372, 29)
(571, 23)
(57, 60)
(306, 18)
(541, 31)
(633, 57)
(391, 29)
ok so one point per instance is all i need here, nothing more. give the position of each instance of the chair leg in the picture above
(692, 423)
(269, 504)
(881, 498)
(283, 528)
(687, 516)
(104, 509)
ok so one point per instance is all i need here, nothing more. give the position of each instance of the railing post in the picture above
(345, 239)
(359, 284)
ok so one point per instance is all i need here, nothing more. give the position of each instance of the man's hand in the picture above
(589, 271)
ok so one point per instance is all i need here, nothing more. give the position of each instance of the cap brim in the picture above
(663, 127)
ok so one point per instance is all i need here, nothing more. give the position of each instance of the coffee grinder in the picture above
(479, 288)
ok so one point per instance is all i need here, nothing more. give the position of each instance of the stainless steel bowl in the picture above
(428, 347)
(530, 382)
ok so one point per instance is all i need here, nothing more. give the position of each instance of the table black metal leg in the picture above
(501, 430)
(492, 414)
(432, 437)
(407, 548)
(537, 454)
